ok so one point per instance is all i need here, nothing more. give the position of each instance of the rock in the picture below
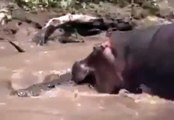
(139, 12)
(171, 3)
(151, 20)
(165, 9)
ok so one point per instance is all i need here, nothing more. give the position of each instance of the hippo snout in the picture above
(79, 72)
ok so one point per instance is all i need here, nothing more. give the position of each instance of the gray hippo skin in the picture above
(131, 59)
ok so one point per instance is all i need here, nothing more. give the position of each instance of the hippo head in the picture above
(100, 69)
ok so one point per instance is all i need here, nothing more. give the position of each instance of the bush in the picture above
(46, 3)
(149, 4)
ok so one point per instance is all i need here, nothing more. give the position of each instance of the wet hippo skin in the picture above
(137, 60)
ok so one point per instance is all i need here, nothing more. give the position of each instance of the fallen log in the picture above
(79, 24)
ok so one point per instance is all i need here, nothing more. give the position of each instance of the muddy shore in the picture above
(42, 64)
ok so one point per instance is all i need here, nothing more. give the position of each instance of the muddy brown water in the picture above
(34, 71)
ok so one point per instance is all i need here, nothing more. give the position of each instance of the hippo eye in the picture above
(95, 48)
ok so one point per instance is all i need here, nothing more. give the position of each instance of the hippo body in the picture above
(143, 61)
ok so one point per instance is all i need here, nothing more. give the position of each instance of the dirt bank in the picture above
(20, 70)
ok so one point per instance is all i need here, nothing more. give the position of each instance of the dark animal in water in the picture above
(130, 60)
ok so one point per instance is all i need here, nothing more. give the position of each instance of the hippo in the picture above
(140, 60)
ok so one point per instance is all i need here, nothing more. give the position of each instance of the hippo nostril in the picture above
(107, 44)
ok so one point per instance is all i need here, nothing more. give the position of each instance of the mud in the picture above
(34, 84)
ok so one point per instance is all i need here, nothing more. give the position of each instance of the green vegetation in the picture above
(150, 4)
(49, 3)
